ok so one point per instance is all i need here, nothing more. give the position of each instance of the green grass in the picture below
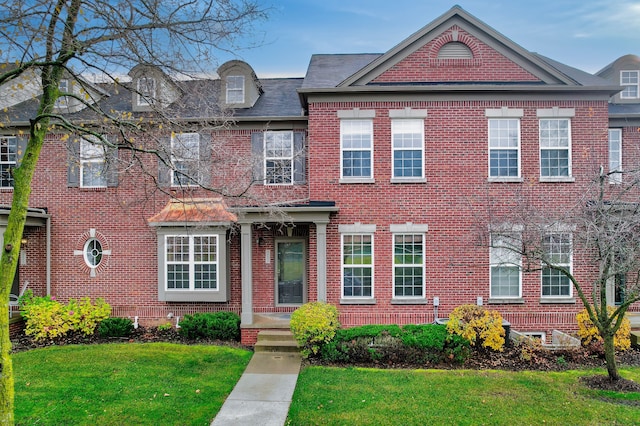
(349, 396)
(125, 384)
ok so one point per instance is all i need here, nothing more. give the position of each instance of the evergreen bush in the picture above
(115, 327)
(221, 325)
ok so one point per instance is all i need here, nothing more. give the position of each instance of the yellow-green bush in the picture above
(314, 324)
(47, 318)
(589, 333)
(477, 325)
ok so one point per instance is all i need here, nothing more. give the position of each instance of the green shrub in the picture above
(221, 325)
(314, 324)
(47, 318)
(166, 326)
(426, 343)
(369, 331)
(85, 317)
(425, 336)
(115, 327)
(456, 348)
(478, 325)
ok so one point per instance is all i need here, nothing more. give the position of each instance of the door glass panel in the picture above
(290, 272)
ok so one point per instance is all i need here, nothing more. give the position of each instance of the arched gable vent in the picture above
(455, 50)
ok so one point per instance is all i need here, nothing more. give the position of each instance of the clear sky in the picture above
(586, 34)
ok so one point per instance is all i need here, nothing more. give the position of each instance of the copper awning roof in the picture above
(199, 211)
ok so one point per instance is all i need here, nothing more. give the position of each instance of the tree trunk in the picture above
(610, 358)
(9, 263)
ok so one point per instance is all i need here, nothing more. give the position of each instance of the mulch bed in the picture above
(513, 358)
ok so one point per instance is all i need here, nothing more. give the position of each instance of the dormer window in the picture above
(235, 89)
(455, 50)
(629, 80)
(146, 91)
(63, 87)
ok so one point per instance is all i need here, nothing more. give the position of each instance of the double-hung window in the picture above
(357, 265)
(408, 148)
(408, 265)
(557, 252)
(630, 81)
(235, 89)
(8, 160)
(615, 155)
(146, 91)
(278, 158)
(505, 270)
(504, 148)
(93, 163)
(191, 262)
(555, 147)
(356, 148)
(185, 157)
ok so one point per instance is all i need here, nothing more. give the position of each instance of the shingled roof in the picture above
(200, 101)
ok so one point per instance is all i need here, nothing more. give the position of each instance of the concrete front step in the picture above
(276, 341)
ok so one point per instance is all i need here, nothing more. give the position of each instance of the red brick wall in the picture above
(128, 278)
(487, 64)
(453, 201)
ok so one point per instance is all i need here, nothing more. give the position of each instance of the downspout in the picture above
(48, 255)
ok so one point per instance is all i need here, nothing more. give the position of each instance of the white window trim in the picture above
(492, 264)
(569, 177)
(290, 158)
(234, 89)
(624, 85)
(97, 160)
(408, 265)
(84, 253)
(518, 177)
(192, 262)
(13, 163)
(145, 98)
(356, 179)
(400, 179)
(357, 229)
(559, 230)
(175, 159)
(615, 178)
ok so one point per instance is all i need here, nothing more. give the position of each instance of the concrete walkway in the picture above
(263, 394)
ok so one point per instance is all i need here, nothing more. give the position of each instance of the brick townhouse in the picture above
(365, 182)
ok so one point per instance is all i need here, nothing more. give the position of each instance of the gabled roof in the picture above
(373, 72)
(456, 16)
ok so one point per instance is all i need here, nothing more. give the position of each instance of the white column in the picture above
(246, 316)
(321, 260)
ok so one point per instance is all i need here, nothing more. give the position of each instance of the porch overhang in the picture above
(36, 217)
(316, 212)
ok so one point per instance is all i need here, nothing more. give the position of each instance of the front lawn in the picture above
(345, 396)
(125, 384)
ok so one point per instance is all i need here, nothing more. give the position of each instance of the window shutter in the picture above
(112, 162)
(299, 158)
(22, 147)
(257, 151)
(73, 162)
(205, 159)
(164, 160)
